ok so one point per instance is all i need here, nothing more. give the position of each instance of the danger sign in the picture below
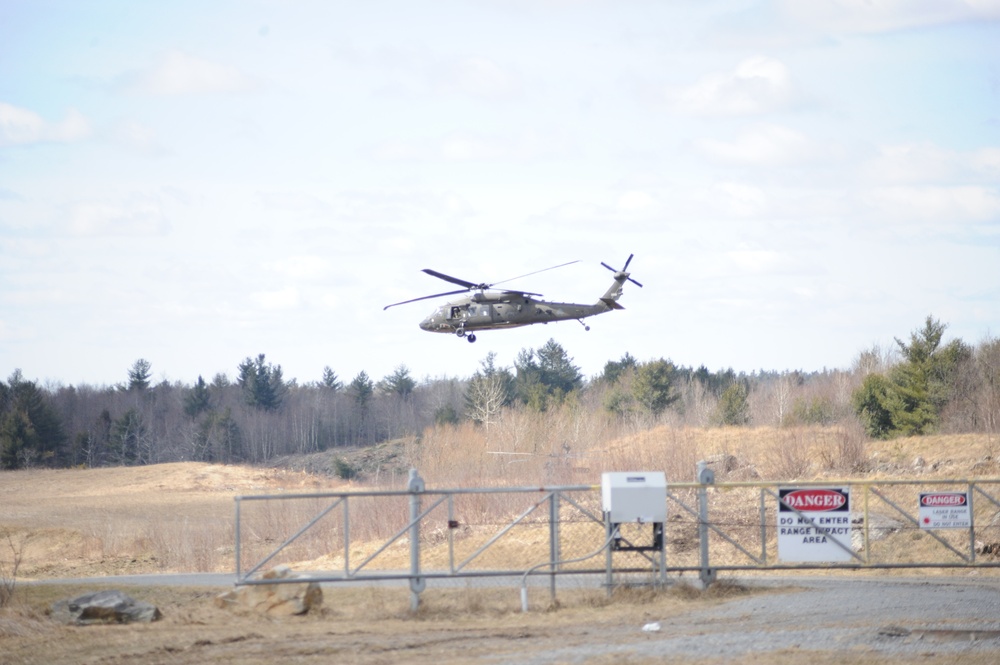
(945, 510)
(814, 524)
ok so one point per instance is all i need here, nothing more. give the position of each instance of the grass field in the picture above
(179, 517)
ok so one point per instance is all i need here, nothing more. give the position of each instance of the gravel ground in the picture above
(887, 618)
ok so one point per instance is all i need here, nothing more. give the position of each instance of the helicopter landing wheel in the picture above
(471, 337)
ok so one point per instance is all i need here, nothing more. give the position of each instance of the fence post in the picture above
(554, 552)
(972, 524)
(239, 540)
(705, 478)
(417, 583)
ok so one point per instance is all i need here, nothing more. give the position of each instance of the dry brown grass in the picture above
(179, 517)
(361, 625)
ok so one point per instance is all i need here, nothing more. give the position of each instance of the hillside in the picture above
(175, 517)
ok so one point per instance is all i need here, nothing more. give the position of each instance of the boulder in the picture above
(293, 595)
(879, 528)
(103, 607)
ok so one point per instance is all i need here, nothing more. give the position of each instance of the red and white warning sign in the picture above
(814, 524)
(945, 510)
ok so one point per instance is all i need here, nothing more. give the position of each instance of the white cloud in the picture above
(942, 206)
(302, 204)
(874, 16)
(931, 164)
(20, 126)
(477, 77)
(302, 267)
(471, 148)
(636, 202)
(755, 261)
(735, 199)
(526, 146)
(575, 213)
(136, 136)
(281, 299)
(766, 145)
(987, 161)
(757, 85)
(179, 73)
(139, 216)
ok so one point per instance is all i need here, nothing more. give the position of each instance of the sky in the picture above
(195, 183)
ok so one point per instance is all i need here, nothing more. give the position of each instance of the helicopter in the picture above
(485, 308)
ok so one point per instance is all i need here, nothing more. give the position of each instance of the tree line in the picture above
(920, 386)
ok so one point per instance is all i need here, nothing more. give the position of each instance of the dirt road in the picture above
(806, 620)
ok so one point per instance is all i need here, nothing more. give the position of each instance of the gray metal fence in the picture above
(541, 535)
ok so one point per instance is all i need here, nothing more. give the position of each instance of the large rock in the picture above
(280, 599)
(104, 607)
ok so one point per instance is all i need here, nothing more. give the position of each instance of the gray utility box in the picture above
(634, 496)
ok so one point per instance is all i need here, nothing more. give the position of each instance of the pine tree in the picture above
(871, 403)
(545, 376)
(30, 430)
(197, 401)
(398, 383)
(362, 389)
(910, 400)
(262, 384)
(613, 369)
(734, 405)
(330, 380)
(138, 374)
(655, 385)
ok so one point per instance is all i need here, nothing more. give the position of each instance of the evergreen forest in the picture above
(922, 384)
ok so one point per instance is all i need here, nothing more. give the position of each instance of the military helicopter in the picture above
(486, 308)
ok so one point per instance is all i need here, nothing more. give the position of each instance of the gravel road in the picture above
(892, 618)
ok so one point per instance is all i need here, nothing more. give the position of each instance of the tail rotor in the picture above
(624, 270)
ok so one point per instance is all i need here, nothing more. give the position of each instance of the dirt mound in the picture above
(71, 522)
(383, 464)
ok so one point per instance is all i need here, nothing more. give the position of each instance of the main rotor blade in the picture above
(453, 280)
(511, 279)
(520, 293)
(436, 295)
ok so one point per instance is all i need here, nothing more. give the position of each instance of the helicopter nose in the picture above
(426, 324)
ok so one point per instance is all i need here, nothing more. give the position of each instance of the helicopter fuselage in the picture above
(480, 311)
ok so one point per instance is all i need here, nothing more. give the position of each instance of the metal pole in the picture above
(452, 525)
(865, 534)
(763, 527)
(972, 527)
(609, 531)
(663, 553)
(553, 542)
(236, 549)
(417, 583)
(706, 477)
(347, 539)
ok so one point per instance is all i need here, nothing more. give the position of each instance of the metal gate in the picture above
(542, 534)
